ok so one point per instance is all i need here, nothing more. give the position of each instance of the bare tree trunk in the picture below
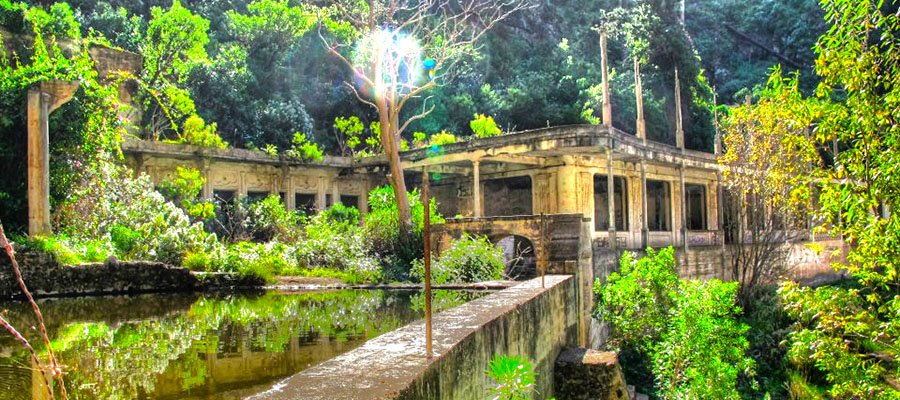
(607, 105)
(396, 177)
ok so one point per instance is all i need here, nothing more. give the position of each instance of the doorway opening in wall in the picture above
(695, 205)
(620, 203)
(659, 211)
(518, 251)
(350, 200)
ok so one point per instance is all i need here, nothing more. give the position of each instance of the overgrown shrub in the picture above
(336, 244)
(484, 126)
(469, 259)
(197, 132)
(184, 190)
(303, 149)
(108, 197)
(382, 231)
(687, 331)
(269, 219)
(514, 377)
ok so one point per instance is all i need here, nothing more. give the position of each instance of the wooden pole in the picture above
(426, 233)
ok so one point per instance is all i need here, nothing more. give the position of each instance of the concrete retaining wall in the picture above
(523, 320)
(47, 278)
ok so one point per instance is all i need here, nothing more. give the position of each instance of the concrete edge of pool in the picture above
(525, 319)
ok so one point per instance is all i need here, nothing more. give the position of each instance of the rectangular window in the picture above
(350, 200)
(253, 197)
(305, 202)
(328, 200)
(658, 206)
(695, 204)
(223, 196)
(620, 203)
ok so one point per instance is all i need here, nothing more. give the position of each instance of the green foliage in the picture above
(197, 132)
(637, 299)
(442, 138)
(339, 213)
(81, 131)
(484, 126)
(469, 259)
(382, 230)
(337, 244)
(124, 240)
(67, 251)
(514, 377)
(354, 139)
(703, 349)
(687, 330)
(175, 41)
(303, 149)
(848, 335)
(184, 189)
(269, 219)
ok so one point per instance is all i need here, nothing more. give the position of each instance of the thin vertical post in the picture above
(684, 199)
(478, 211)
(645, 232)
(607, 105)
(543, 244)
(610, 198)
(426, 233)
(679, 127)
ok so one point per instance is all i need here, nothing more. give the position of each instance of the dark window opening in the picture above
(658, 206)
(328, 200)
(305, 202)
(350, 200)
(620, 203)
(223, 196)
(521, 263)
(507, 196)
(253, 197)
(695, 204)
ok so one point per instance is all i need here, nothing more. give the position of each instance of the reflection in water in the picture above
(198, 347)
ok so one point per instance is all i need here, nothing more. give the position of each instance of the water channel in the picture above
(199, 346)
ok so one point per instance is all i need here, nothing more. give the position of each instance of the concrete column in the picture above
(679, 129)
(684, 240)
(242, 185)
(645, 232)
(320, 194)
(607, 104)
(207, 191)
(610, 198)
(335, 192)
(364, 200)
(477, 207)
(38, 163)
(290, 199)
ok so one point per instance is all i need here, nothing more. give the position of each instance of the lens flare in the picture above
(392, 59)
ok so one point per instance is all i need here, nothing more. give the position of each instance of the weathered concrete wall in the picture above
(583, 374)
(523, 320)
(47, 278)
(707, 262)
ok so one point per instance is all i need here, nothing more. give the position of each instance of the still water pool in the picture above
(210, 346)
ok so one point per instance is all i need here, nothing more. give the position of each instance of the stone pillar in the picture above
(207, 191)
(477, 208)
(42, 99)
(645, 232)
(290, 200)
(242, 186)
(610, 197)
(320, 194)
(607, 104)
(679, 129)
(364, 200)
(335, 192)
(684, 241)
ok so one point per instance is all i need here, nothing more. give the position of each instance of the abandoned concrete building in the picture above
(660, 195)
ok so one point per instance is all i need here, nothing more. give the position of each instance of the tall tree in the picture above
(848, 333)
(402, 49)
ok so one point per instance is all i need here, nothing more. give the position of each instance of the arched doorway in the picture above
(518, 251)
